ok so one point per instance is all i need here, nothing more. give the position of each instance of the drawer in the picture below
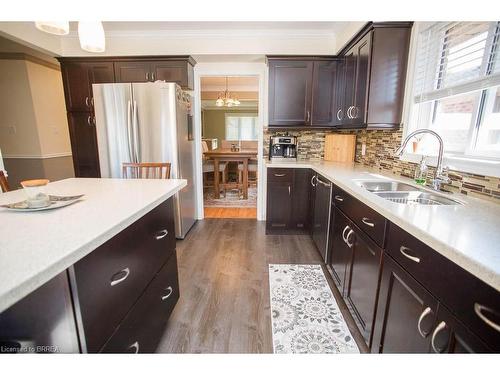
(280, 174)
(367, 219)
(474, 303)
(144, 326)
(109, 280)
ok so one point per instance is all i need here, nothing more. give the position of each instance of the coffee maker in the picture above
(283, 148)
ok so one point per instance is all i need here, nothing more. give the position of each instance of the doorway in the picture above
(229, 145)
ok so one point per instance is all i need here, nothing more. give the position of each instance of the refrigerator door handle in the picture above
(135, 123)
(129, 131)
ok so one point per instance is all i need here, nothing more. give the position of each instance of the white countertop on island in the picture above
(467, 234)
(36, 246)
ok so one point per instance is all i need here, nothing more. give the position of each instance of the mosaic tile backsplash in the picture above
(380, 146)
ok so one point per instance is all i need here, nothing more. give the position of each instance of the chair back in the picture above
(204, 146)
(249, 145)
(4, 184)
(146, 170)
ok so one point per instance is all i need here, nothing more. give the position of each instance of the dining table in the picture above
(226, 155)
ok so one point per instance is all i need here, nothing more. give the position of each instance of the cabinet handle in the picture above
(93, 120)
(367, 221)
(169, 292)
(339, 112)
(87, 101)
(339, 198)
(308, 116)
(426, 312)
(403, 250)
(289, 190)
(152, 77)
(135, 346)
(350, 244)
(355, 112)
(478, 309)
(161, 234)
(312, 180)
(147, 76)
(441, 326)
(89, 120)
(119, 280)
(279, 174)
(327, 184)
(343, 233)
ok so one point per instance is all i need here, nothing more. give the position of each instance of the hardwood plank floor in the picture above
(230, 212)
(223, 274)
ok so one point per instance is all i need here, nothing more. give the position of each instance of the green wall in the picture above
(214, 125)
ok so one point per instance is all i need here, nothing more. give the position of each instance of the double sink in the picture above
(400, 192)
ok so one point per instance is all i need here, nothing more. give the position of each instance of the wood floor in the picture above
(223, 274)
(230, 212)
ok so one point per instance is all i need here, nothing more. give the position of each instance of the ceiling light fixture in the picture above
(226, 99)
(53, 27)
(91, 35)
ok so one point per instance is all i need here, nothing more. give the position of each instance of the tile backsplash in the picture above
(380, 146)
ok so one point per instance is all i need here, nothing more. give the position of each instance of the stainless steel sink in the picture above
(374, 186)
(400, 192)
(416, 198)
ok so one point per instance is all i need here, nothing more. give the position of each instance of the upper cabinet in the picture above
(362, 87)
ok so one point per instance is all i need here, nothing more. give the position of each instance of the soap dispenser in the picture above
(421, 172)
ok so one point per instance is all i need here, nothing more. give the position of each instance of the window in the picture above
(241, 126)
(456, 88)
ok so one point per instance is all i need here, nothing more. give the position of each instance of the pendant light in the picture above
(91, 35)
(226, 99)
(53, 27)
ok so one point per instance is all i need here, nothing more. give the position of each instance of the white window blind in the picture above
(241, 126)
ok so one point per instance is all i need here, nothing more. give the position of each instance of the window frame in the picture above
(241, 114)
(472, 160)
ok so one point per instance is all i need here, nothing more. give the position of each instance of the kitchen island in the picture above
(103, 255)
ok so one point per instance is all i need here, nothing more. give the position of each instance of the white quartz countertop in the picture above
(36, 246)
(468, 234)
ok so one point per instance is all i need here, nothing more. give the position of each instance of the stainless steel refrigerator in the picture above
(148, 122)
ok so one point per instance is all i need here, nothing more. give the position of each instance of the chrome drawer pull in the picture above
(350, 244)
(343, 233)
(135, 346)
(312, 180)
(367, 221)
(161, 234)
(426, 312)
(404, 249)
(119, 280)
(339, 198)
(338, 114)
(87, 101)
(441, 326)
(478, 309)
(279, 174)
(170, 291)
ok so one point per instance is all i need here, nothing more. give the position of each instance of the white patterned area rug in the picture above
(305, 316)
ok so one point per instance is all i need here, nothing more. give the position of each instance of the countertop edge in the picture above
(468, 264)
(37, 280)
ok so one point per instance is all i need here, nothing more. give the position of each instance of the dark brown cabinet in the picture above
(340, 256)
(324, 76)
(320, 224)
(132, 71)
(288, 200)
(290, 92)
(406, 313)
(84, 144)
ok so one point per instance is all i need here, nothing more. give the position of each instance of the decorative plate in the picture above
(56, 201)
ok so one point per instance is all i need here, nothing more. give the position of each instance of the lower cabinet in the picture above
(321, 214)
(143, 327)
(340, 256)
(84, 144)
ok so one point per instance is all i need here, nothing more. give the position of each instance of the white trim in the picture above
(227, 69)
(45, 156)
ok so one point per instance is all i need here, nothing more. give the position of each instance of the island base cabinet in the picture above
(406, 313)
(143, 328)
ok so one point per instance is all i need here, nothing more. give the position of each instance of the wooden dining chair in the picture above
(4, 184)
(146, 170)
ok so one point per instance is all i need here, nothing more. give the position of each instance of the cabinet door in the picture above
(340, 252)
(290, 89)
(323, 92)
(100, 72)
(279, 203)
(362, 53)
(361, 291)
(321, 218)
(451, 336)
(170, 71)
(339, 114)
(84, 144)
(406, 313)
(76, 86)
(301, 191)
(132, 71)
(350, 60)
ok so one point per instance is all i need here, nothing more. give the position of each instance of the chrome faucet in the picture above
(441, 173)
